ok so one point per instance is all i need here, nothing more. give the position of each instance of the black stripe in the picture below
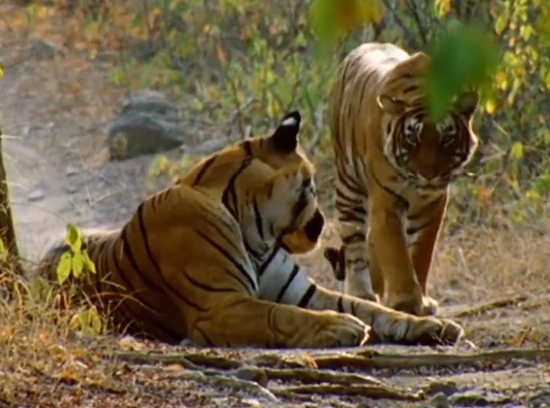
(153, 202)
(410, 88)
(265, 265)
(400, 199)
(347, 181)
(349, 216)
(229, 242)
(343, 196)
(207, 340)
(341, 304)
(229, 196)
(153, 261)
(206, 165)
(134, 293)
(425, 209)
(353, 238)
(304, 301)
(247, 146)
(206, 287)
(358, 209)
(258, 218)
(291, 277)
(233, 261)
(353, 310)
(413, 230)
(127, 249)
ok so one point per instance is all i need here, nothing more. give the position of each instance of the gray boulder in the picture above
(148, 123)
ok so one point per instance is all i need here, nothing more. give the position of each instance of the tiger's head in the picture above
(289, 196)
(267, 183)
(427, 154)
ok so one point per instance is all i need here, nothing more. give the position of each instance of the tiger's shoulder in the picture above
(383, 68)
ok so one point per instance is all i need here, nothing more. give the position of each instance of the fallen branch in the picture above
(407, 361)
(219, 379)
(485, 307)
(187, 360)
(368, 391)
(361, 359)
(313, 376)
(255, 380)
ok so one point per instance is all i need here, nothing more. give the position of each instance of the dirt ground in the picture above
(55, 112)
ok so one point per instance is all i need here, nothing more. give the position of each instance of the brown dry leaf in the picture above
(175, 367)
(7, 332)
(70, 374)
(80, 353)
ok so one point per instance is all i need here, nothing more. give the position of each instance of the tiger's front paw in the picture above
(339, 330)
(417, 305)
(430, 331)
(370, 296)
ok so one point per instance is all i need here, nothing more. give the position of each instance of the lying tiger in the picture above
(394, 168)
(207, 259)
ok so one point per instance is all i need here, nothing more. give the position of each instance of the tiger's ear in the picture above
(285, 137)
(391, 105)
(467, 103)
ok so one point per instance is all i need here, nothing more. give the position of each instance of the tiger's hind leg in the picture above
(352, 214)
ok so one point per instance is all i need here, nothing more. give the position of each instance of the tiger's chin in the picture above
(306, 238)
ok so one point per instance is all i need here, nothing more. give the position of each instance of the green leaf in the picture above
(331, 19)
(73, 237)
(1, 71)
(88, 262)
(78, 264)
(94, 320)
(64, 267)
(517, 151)
(3, 251)
(463, 58)
(442, 7)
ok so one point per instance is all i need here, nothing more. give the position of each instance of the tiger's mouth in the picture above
(314, 227)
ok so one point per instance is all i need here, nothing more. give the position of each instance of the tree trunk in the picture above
(10, 260)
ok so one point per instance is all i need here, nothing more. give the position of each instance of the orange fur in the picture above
(394, 168)
(207, 259)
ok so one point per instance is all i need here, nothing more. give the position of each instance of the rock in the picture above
(71, 171)
(44, 49)
(148, 123)
(540, 399)
(439, 400)
(478, 398)
(445, 387)
(36, 195)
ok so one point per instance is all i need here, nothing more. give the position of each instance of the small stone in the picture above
(479, 399)
(447, 388)
(36, 195)
(439, 400)
(71, 171)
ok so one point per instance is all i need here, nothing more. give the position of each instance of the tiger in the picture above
(394, 168)
(208, 260)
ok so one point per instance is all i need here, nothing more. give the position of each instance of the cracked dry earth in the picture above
(56, 112)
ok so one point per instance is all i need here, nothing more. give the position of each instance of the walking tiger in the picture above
(394, 168)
